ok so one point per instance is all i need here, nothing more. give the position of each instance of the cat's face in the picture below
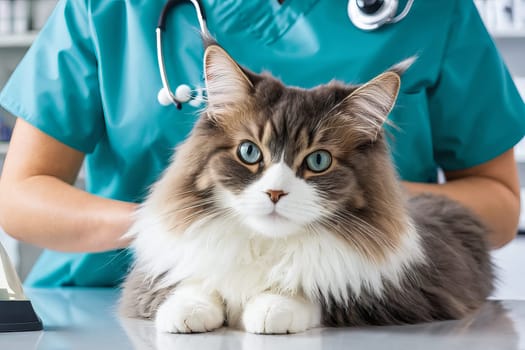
(284, 160)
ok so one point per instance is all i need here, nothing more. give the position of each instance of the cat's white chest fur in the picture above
(222, 256)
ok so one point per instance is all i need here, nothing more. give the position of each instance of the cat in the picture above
(282, 212)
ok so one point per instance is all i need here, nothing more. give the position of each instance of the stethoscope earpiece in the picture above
(183, 93)
(164, 97)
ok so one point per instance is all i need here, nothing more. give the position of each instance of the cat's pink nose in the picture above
(275, 195)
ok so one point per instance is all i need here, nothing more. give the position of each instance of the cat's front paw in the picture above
(183, 314)
(277, 314)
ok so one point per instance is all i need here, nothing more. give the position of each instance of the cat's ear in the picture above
(226, 84)
(370, 104)
(401, 67)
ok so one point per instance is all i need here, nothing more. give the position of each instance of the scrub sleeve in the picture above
(55, 88)
(60, 81)
(476, 112)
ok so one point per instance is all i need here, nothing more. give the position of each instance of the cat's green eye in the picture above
(249, 153)
(318, 161)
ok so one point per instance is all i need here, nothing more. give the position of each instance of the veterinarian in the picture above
(87, 92)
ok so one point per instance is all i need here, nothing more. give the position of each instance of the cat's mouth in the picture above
(276, 218)
(273, 224)
(275, 215)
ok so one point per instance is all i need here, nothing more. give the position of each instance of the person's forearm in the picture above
(497, 206)
(44, 211)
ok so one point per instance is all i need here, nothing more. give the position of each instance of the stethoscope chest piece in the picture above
(371, 14)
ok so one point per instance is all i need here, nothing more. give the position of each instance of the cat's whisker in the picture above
(302, 210)
(185, 220)
(357, 244)
(196, 204)
(183, 193)
(374, 235)
(320, 227)
(370, 231)
(205, 211)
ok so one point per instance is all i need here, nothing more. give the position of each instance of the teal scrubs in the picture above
(91, 80)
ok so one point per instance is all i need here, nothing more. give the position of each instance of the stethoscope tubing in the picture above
(403, 13)
(166, 94)
(161, 27)
(201, 14)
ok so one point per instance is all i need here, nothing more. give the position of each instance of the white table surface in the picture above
(509, 263)
(87, 319)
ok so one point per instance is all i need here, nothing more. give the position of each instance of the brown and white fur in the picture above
(274, 247)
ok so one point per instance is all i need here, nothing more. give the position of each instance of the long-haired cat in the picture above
(282, 212)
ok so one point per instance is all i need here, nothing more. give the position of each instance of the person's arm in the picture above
(491, 190)
(40, 205)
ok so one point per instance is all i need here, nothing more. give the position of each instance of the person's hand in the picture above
(41, 206)
(490, 189)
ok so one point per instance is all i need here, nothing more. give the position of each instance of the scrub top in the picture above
(91, 80)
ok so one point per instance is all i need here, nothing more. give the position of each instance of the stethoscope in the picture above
(365, 14)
